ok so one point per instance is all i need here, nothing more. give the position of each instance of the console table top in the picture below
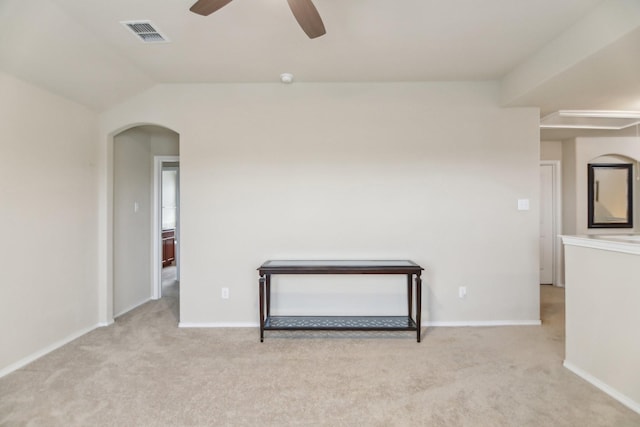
(339, 266)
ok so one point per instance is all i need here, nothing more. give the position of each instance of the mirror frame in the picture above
(593, 190)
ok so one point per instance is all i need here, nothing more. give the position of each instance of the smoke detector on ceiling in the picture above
(145, 31)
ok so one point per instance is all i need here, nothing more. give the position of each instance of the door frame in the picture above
(156, 226)
(556, 200)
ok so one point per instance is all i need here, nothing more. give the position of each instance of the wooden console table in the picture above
(333, 323)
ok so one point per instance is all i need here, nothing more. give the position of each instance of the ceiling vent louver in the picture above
(145, 31)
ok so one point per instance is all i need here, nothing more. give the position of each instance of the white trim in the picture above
(600, 119)
(219, 325)
(42, 352)
(480, 323)
(105, 324)
(601, 242)
(556, 171)
(156, 225)
(625, 400)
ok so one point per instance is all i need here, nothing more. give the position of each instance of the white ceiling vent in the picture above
(146, 31)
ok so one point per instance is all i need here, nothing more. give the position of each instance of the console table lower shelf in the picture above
(340, 323)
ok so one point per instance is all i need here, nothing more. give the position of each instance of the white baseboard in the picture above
(48, 349)
(463, 323)
(626, 401)
(105, 324)
(218, 325)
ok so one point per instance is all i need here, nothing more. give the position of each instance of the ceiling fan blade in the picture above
(308, 17)
(207, 7)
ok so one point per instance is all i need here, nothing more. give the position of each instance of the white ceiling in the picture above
(78, 48)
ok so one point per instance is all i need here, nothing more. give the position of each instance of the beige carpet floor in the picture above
(144, 371)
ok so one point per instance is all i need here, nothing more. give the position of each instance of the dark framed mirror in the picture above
(610, 195)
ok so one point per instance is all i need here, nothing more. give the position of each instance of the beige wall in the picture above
(569, 187)
(430, 172)
(134, 150)
(550, 150)
(48, 208)
(602, 318)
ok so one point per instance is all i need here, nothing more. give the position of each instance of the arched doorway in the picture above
(136, 228)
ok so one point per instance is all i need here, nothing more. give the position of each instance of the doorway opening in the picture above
(137, 217)
(166, 228)
(551, 272)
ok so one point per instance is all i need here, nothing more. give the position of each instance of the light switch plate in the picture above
(523, 204)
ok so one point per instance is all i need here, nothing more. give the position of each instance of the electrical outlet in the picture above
(462, 291)
(225, 293)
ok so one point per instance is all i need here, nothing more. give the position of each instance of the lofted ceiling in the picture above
(79, 49)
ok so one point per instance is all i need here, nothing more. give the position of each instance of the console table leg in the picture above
(261, 285)
(410, 295)
(418, 305)
(268, 296)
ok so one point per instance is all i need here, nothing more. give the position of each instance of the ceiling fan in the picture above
(304, 11)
